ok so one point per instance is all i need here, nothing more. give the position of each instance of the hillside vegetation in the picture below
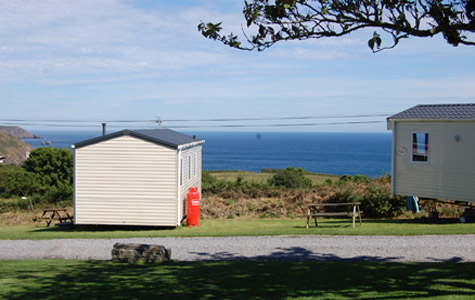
(248, 195)
(273, 198)
(18, 132)
(46, 179)
(14, 149)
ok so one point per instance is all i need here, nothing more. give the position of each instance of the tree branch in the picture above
(282, 20)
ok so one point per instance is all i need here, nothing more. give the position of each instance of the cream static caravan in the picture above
(135, 177)
(433, 152)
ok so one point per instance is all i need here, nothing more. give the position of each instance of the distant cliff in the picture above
(19, 132)
(13, 149)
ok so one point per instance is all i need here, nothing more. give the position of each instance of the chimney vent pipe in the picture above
(104, 129)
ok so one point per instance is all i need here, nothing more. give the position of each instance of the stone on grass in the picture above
(143, 253)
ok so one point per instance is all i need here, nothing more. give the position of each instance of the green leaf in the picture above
(371, 43)
(375, 41)
(378, 41)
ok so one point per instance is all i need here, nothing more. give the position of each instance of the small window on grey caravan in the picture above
(420, 146)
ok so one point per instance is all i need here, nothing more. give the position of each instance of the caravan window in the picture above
(194, 164)
(189, 167)
(420, 146)
(181, 171)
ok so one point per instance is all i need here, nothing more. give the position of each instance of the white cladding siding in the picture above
(450, 170)
(126, 181)
(192, 155)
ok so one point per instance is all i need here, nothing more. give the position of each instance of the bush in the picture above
(356, 178)
(360, 178)
(345, 195)
(207, 181)
(62, 191)
(5, 175)
(379, 203)
(374, 195)
(290, 178)
(211, 185)
(345, 178)
(47, 174)
(16, 182)
(53, 165)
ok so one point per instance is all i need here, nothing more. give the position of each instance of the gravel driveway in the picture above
(435, 248)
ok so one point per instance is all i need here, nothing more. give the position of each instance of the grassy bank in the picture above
(317, 178)
(240, 228)
(65, 279)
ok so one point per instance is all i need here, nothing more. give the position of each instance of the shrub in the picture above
(60, 192)
(356, 178)
(47, 174)
(53, 165)
(5, 173)
(290, 178)
(240, 181)
(207, 181)
(346, 194)
(360, 178)
(374, 195)
(16, 182)
(345, 178)
(211, 185)
(379, 203)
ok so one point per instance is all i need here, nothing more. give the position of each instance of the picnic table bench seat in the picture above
(49, 215)
(314, 211)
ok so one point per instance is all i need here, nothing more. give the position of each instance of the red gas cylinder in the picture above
(192, 207)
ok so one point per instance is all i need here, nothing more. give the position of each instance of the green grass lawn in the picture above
(67, 279)
(241, 228)
(316, 178)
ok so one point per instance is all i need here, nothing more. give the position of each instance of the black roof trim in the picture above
(164, 137)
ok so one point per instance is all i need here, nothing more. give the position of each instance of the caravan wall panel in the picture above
(449, 172)
(126, 181)
(191, 173)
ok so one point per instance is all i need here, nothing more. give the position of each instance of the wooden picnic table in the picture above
(314, 211)
(49, 215)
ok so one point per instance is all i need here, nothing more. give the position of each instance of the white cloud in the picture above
(310, 54)
(351, 40)
(83, 37)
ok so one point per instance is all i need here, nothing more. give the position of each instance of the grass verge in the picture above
(240, 228)
(67, 279)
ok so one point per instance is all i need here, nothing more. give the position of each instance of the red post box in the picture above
(192, 207)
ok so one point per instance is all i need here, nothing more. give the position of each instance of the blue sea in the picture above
(368, 154)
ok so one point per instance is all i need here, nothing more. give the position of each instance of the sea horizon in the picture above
(338, 153)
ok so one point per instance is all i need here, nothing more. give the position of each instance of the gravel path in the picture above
(435, 248)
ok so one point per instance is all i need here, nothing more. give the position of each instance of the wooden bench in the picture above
(314, 211)
(49, 215)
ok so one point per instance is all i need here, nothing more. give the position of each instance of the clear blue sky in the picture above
(136, 60)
